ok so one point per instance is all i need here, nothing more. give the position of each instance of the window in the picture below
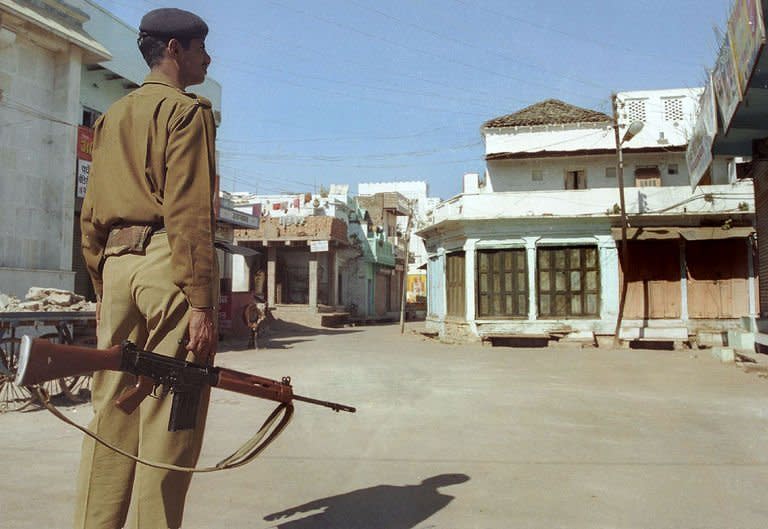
(575, 180)
(635, 110)
(502, 283)
(672, 169)
(610, 172)
(537, 175)
(647, 176)
(90, 116)
(673, 109)
(454, 281)
(568, 281)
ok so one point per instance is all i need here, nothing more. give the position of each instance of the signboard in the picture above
(726, 82)
(699, 153)
(84, 150)
(747, 35)
(238, 218)
(318, 246)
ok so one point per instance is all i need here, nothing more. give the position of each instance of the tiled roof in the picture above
(549, 112)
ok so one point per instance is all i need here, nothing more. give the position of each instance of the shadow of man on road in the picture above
(379, 507)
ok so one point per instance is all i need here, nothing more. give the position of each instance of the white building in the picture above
(417, 192)
(531, 249)
(62, 64)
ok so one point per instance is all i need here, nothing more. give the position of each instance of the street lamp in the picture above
(634, 128)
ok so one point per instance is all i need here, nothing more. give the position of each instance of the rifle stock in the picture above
(41, 360)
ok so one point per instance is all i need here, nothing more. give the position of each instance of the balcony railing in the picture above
(737, 197)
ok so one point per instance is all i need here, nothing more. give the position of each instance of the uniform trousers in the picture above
(141, 304)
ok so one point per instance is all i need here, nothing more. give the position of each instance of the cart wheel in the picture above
(76, 388)
(12, 397)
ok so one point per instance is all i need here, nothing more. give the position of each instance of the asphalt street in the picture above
(453, 437)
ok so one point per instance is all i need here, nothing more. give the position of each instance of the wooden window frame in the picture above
(580, 296)
(504, 286)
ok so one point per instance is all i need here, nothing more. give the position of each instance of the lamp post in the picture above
(634, 128)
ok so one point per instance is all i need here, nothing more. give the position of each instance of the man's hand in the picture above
(202, 338)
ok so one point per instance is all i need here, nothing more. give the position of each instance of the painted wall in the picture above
(40, 81)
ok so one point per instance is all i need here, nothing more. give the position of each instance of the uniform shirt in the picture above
(154, 163)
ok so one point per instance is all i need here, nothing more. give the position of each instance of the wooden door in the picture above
(654, 280)
(718, 276)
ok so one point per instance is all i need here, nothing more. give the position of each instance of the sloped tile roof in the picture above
(549, 112)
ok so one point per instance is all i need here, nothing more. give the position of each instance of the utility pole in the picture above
(407, 236)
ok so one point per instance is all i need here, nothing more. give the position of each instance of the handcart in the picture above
(59, 327)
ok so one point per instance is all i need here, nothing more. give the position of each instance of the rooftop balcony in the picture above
(737, 198)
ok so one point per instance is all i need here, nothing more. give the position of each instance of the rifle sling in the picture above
(242, 456)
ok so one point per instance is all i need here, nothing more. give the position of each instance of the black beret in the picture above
(170, 23)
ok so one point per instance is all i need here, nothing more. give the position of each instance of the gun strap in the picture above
(272, 427)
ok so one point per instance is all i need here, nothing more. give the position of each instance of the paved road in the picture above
(454, 437)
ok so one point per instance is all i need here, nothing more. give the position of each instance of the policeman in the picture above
(148, 232)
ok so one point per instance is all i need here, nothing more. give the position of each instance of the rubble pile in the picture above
(39, 299)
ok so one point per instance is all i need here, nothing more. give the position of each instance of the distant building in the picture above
(420, 204)
(533, 249)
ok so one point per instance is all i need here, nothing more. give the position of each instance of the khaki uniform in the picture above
(153, 166)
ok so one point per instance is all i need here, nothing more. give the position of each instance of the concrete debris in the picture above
(46, 300)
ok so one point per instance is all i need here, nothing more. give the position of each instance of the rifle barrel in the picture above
(335, 406)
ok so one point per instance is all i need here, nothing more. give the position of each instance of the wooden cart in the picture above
(60, 327)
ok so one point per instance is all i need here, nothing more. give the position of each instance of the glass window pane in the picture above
(575, 281)
(591, 304)
(560, 281)
(575, 257)
(561, 302)
(544, 281)
(560, 259)
(591, 280)
(544, 305)
(576, 305)
(591, 257)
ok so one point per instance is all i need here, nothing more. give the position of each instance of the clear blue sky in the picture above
(317, 92)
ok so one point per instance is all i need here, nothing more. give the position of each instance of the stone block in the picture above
(724, 354)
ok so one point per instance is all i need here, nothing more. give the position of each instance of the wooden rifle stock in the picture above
(41, 360)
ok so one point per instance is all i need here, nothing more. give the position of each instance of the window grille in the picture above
(635, 110)
(673, 109)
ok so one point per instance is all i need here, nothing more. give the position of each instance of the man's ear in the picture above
(172, 48)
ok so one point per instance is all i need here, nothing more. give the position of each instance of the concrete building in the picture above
(530, 250)
(420, 204)
(62, 64)
(731, 121)
(44, 49)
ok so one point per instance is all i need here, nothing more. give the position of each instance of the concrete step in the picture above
(653, 333)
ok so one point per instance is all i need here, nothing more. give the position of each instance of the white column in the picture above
(609, 278)
(66, 102)
(470, 254)
(530, 253)
(751, 279)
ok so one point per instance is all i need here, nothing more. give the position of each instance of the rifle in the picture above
(41, 360)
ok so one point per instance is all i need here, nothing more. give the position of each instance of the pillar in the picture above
(271, 279)
(530, 253)
(313, 281)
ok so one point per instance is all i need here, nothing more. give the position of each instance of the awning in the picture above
(697, 233)
(228, 247)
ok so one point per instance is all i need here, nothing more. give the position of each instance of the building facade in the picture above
(534, 249)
